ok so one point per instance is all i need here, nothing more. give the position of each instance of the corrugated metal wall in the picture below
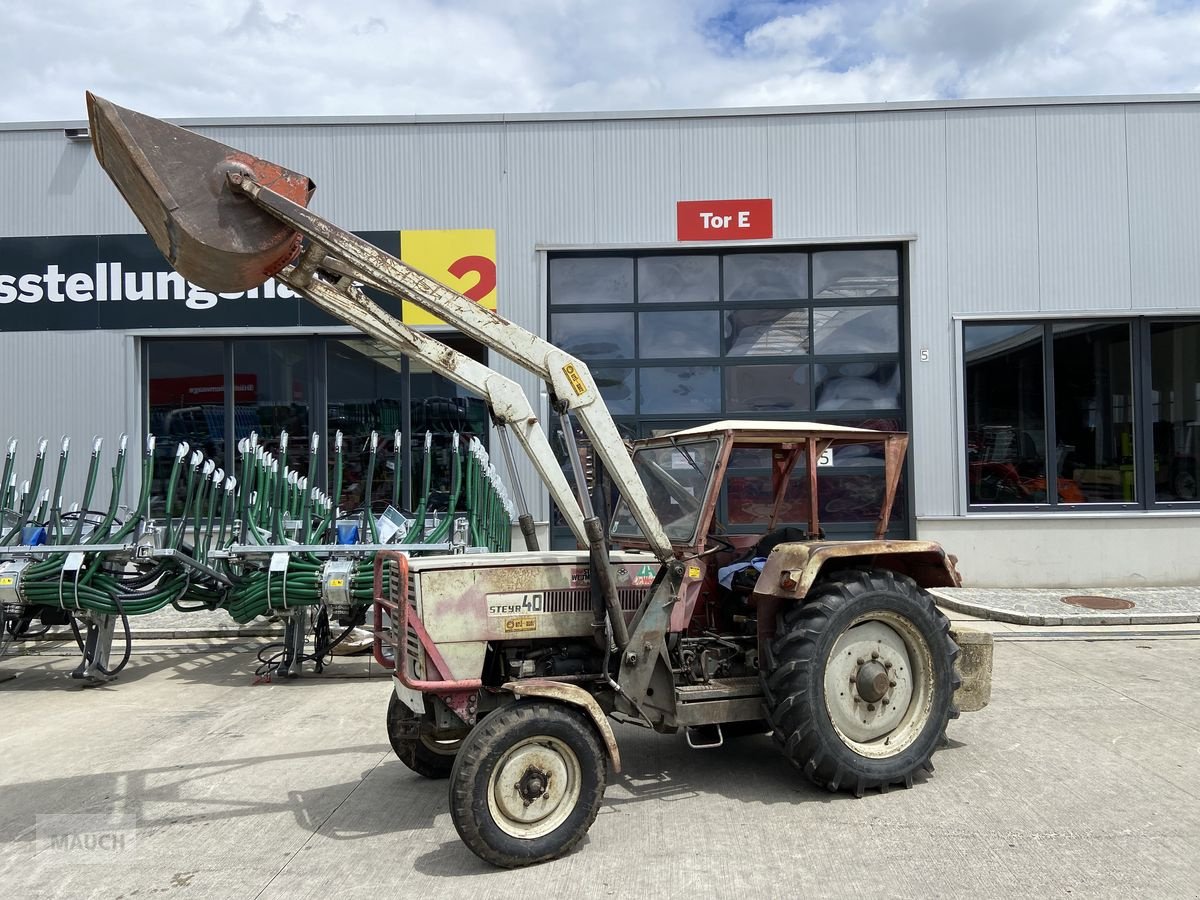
(78, 384)
(1021, 209)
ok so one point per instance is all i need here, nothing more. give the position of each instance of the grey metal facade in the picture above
(1012, 208)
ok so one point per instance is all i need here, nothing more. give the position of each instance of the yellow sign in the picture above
(337, 582)
(7, 581)
(576, 381)
(520, 623)
(693, 571)
(463, 260)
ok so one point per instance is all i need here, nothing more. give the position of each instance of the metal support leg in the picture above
(97, 650)
(294, 636)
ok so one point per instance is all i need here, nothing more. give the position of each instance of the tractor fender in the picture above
(572, 696)
(791, 569)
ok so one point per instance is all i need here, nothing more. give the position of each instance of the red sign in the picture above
(724, 220)
(201, 390)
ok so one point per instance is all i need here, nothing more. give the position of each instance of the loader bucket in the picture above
(175, 182)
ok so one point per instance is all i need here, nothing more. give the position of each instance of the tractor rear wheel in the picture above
(422, 753)
(860, 681)
(527, 783)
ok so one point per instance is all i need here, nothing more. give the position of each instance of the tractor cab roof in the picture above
(758, 432)
(665, 463)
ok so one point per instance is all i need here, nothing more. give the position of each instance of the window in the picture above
(201, 390)
(186, 390)
(680, 338)
(1081, 413)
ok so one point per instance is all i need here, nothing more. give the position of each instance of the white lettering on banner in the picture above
(111, 284)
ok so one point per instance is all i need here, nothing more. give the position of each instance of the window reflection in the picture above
(1093, 412)
(766, 276)
(857, 385)
(766, 332)
(616, 387)
(679, 333)
(766, 389)
(1175, 415)
(279, 401)
(680, 389)
(684, 278)
(186, 389)
(603, 279)
(856, 329)
(364, 391)
(1005, 413)
(589, 336)
(856, 273)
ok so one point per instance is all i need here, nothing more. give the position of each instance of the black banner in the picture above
(122, 282)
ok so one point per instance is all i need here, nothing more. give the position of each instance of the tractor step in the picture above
(706, 732)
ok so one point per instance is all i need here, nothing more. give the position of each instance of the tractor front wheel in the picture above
(527, 783)
(424, 754)
(860, 681)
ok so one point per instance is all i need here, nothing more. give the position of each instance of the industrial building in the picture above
(1011, 281)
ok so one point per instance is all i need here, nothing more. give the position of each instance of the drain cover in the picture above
(1088, 602)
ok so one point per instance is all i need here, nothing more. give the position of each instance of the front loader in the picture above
(510, 668)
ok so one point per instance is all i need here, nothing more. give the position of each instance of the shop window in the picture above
(363, 391)
(280, 399)
(1006, 419)
(1059, 414)
(186, 388)
(1175, 410)
(1093, 413)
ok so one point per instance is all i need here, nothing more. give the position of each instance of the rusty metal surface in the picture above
(925, 561)
(176, 183)
(405, 618)
(573, 696)
(1091, 601)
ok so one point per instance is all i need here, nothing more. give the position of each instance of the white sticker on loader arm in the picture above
(526, 604)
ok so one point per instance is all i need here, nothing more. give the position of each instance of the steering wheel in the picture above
(722, 544)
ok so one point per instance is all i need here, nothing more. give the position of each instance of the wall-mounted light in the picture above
(77, 134)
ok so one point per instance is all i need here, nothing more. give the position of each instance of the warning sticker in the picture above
(693, 571)
(7, 581)
(520, 623)
(500, 605)
(576, 380)
(644, 577)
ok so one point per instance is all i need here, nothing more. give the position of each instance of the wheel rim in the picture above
(879, 684)
(534, 787)
(441, 748)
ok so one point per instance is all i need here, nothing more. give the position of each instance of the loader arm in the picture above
(569, 379)
(191, 193)
(504, 397)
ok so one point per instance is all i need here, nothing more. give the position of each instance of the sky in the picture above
(194, 58)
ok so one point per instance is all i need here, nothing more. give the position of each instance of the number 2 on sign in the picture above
(483, 267)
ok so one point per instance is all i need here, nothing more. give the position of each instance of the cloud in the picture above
(366, 57)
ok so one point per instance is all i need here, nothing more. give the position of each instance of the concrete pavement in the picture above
(1081, 779)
